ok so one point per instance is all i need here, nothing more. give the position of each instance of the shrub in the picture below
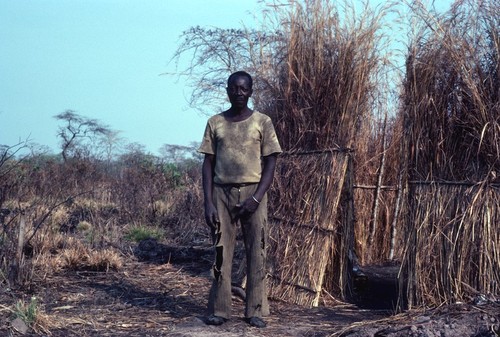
(140, 233)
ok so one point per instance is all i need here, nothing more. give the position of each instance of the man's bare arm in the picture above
(211, 216)
(267, 176)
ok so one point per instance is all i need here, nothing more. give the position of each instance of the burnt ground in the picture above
(161, 291)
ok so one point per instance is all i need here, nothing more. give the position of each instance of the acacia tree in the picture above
(78, 128)
(111, 145)
(176, 154)
(214, 53)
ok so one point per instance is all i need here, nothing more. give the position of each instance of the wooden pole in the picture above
(375, 208)
(15, 266)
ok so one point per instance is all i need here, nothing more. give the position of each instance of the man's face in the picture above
(239, 91)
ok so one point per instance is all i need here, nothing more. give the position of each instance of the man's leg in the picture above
(224, 237)
(255, 235)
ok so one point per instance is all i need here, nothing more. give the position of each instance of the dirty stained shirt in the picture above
(239, 147)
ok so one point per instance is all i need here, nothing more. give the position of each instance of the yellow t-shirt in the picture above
(239, 147)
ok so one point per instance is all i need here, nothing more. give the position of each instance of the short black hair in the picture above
(240, 73)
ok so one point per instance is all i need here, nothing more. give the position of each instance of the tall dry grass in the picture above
(451, 94)
(377, 169)
(324, 93)
(329, 87)
(451, 112)
(327, 74)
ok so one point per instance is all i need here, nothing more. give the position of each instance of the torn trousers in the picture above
(254, 229)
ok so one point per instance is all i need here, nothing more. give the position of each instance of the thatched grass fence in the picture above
(324, 92)
(451, 139)
(452, 250)
(307, 235)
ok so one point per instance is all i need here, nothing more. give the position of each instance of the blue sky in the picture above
(102, 59)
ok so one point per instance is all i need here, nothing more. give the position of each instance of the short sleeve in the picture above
(207, 144)
(270, 143)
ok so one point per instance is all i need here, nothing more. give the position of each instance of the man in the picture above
(240, 147)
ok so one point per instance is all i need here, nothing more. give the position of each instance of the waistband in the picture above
(235, 185)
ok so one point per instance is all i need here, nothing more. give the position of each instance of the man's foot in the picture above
(256, 322)
(215, 320)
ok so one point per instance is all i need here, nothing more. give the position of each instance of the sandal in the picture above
(215, 320)
(256, 322)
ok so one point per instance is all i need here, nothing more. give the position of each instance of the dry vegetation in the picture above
(451, 112)
(307, 234)
(364, 180)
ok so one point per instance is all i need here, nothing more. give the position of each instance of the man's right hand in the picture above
(211, 216)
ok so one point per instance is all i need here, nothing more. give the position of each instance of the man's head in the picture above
(239, 88)
(238, 74)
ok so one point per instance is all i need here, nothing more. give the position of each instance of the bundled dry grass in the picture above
(452, 133)
(306, 236)
(327, 74)
(451, 95)
(452, 253)
(325, 90)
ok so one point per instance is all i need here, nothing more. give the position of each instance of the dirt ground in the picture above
(161, 291)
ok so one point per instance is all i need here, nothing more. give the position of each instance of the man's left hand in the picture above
(247, 207)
